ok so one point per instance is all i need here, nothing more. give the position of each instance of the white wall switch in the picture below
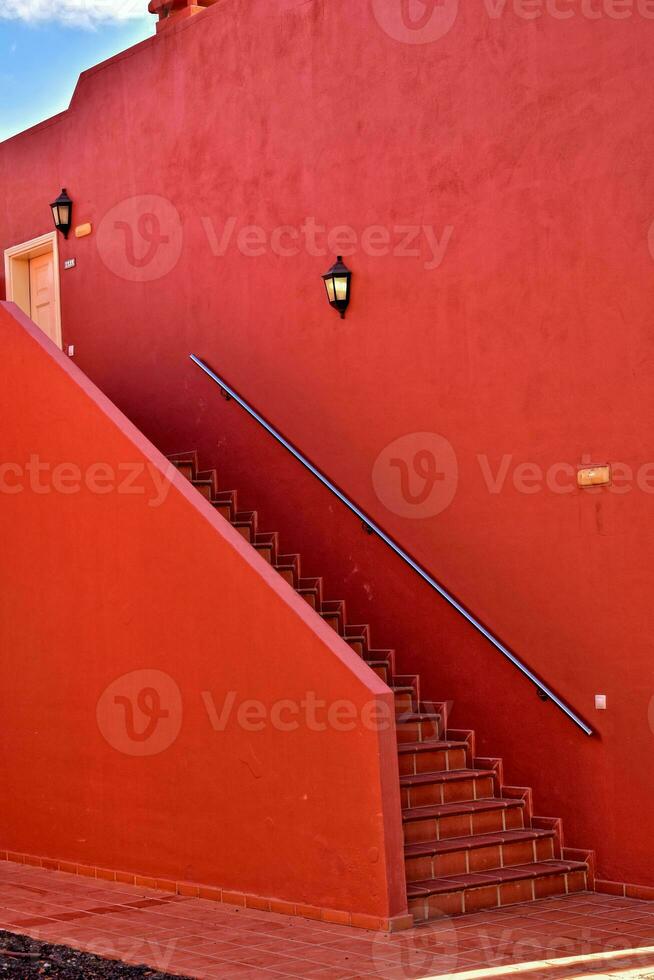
(600, 702)
(70, 350)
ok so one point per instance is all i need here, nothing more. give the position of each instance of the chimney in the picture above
(173, 11)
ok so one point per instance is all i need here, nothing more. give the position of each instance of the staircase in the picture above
(471, 842)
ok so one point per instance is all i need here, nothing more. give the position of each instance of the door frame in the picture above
(17, 274)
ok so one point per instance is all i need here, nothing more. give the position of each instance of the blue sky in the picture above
(45, 44)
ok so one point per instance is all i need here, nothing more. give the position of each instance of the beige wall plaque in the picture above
(594, 476)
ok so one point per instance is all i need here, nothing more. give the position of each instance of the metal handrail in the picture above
(544, 692)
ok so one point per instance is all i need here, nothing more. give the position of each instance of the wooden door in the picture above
(42, 295)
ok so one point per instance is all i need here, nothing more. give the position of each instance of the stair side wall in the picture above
(170, 707)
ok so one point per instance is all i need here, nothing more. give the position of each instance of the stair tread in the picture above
(433, 847)
(444, 776)
(419, 716)
(466, 806)
(538, 869)
(407, 747)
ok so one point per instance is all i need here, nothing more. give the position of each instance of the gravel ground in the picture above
(24, 958)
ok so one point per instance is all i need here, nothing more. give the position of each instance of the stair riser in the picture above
(359, 633)
(224, 510)
(205, 489)
(208, 476)
(334, 621)
(404, 703)
(456, 791)
(479, 899)
(419, 731)
(438, 760)
(463, 825)
(384, 673)
(289, 565)
(245, 532)
(287, 575)
(478, 859)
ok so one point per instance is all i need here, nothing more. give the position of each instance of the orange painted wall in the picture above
(532, 340)
(99, 579)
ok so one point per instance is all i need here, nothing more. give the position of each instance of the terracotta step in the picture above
(458, 894)
(418, 727)
(358, 634)
(405, 699)
(267, 545)
(245, 523)
(419, 757)
(447, 786)
(382, 669)
(185, 460)
(413, 681)
(388, 656)
(205, 487)
(311, 590)
(208, 476)
(357, 644)
(466, 855)
(333, 612)
(462, 819)
(186, 468)
(225, 502)
(288, 567)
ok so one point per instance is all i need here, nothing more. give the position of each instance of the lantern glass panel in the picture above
(340, 284)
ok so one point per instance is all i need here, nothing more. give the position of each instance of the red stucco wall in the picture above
(530, 140)
(116, 579)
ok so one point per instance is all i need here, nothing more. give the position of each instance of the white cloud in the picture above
(74, 13)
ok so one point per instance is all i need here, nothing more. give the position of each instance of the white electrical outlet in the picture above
(70, 350)
(600, 702)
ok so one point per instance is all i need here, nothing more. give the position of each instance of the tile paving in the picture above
(579, 936)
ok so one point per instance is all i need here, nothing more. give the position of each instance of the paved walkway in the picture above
(585, 935)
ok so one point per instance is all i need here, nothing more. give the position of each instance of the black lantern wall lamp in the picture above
(338, 282)
(62, 211)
